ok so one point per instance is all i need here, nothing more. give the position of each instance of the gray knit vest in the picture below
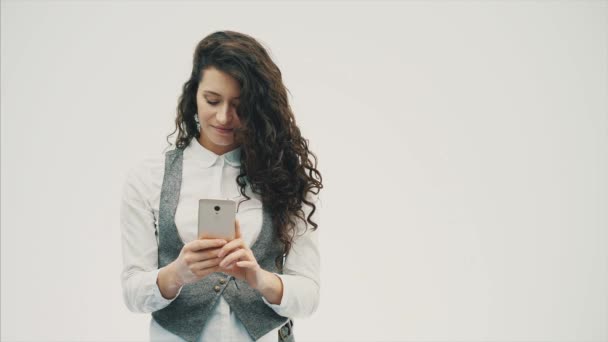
(188, 313)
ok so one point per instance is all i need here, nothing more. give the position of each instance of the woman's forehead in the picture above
(219, 83)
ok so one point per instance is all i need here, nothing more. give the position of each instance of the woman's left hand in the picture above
(239, 261)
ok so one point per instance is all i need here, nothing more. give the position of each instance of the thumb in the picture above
(237, 228)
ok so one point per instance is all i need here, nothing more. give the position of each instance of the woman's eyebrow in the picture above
(214, 93)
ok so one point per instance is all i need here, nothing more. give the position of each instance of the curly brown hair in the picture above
(275, 158)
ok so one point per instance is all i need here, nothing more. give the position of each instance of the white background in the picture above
(463, 147)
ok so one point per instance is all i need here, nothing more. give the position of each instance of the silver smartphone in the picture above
(216, 219)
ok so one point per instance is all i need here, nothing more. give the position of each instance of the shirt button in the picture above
(217, 288)
(222, 281)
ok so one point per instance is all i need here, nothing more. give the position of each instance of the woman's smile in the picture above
(223, 130)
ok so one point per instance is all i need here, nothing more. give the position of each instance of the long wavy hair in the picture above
(275, 159)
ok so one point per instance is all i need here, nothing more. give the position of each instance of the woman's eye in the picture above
(213, 103)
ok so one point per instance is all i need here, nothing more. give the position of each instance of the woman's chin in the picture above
(223, 142)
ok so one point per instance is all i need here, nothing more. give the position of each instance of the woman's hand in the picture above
(197, 259)
(238, 260)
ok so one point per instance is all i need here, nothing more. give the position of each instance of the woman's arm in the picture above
(167, 282)
(271, 287)
(300, 281)
(140, 273)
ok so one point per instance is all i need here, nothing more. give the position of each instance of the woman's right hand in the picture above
(197, 260)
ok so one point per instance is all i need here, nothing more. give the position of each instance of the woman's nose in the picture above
(224, 115)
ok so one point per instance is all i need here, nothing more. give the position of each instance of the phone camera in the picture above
(217, 208)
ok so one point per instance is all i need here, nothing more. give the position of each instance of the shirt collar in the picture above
(197, 151)
(233, 157)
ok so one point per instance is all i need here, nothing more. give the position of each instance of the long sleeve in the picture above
(301, 279)
(139, 248)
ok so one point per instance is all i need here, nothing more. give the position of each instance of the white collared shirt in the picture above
(206, 175)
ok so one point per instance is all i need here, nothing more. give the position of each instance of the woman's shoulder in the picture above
(147, 171)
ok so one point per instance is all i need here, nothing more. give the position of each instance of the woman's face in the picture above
(217, 98)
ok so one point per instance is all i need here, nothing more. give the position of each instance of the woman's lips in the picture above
(223, 130)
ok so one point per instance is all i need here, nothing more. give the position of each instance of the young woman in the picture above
(237, 139)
